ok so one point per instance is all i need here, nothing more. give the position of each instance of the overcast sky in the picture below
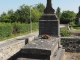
(71, 5)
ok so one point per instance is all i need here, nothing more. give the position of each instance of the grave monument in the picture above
(49, 23)
(45, 49)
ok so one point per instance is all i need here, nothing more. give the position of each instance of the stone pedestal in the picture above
(42, 49)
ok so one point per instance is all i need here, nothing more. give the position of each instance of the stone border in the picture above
(14, 45)
(71, 44)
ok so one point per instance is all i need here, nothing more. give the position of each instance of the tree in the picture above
(67, 16)
(40, 7)
(4, 17)
(23, 14)
(58, 13)
(35, 15)
(10, 12)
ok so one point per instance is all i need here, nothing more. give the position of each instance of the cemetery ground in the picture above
(71, 56)
(75, 30)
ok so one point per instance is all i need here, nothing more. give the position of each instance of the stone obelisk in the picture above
(49, 23)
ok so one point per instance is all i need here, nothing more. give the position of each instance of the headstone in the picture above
(49, 23)
(45, 49)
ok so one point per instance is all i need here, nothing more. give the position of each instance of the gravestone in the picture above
(45, 49)
(49, 23)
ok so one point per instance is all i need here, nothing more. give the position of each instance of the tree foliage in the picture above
(40, 7)
(36, 16)
(4, 17)
(22, 14)
(67, 16)
(58, 13)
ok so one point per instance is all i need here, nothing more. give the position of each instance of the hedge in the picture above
(21, 28)
(64, 32)
(6, 30)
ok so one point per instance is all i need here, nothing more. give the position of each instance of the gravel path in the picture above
(71, 56)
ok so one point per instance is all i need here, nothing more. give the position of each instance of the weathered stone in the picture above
(41, 46)
(10, 48)
(49, 9)
(71, 44)
(49, 23)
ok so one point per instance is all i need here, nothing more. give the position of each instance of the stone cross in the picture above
(79, 8)
(49, 3)
(49, 9)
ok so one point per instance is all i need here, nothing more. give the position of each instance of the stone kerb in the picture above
(9, 49)
(71, 44)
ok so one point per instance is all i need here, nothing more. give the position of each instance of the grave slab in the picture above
(41, 46)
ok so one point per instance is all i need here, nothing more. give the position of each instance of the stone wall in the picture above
(71, 44)
(10, 48)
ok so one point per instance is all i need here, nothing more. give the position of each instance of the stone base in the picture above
(42, 49)
(49, 17)
(58, 55)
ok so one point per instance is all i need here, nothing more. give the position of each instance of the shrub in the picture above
(21, 28)
(35, 26)
(65, 32)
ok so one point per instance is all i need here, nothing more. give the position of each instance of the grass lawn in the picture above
(75, 29)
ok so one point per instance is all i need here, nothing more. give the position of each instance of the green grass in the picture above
(75, 29)
(76, 26)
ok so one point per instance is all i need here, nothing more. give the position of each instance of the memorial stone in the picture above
(49, 23)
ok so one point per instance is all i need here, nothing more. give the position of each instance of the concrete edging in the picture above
(11, 47)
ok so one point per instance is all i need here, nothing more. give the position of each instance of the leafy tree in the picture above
(67, 16)
(40, 7)
(36, 15)
(23, 14)
(58, 13)
(10, 12)
(4, 17)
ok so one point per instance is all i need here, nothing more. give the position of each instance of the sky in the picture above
(71, 5)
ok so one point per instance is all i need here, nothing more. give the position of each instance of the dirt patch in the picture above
(71, 56)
